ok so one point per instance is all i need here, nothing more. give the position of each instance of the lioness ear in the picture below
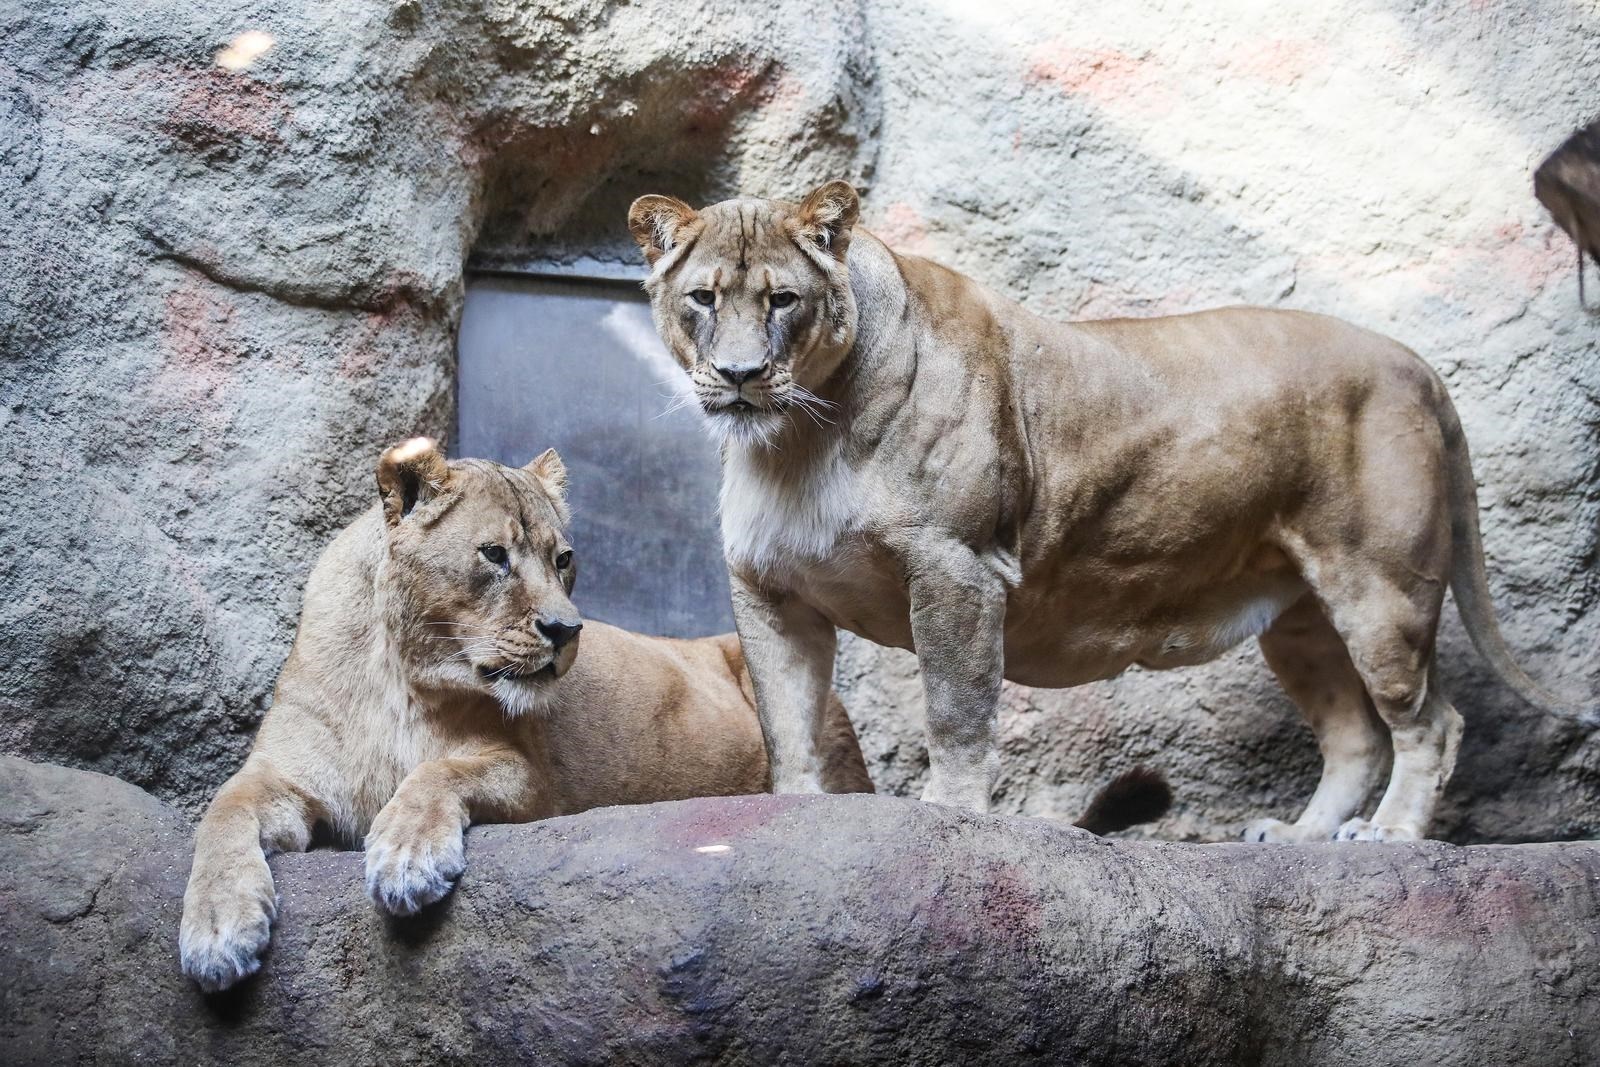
(659, 224)
(828, 215)
(552, 474)
(411, 473)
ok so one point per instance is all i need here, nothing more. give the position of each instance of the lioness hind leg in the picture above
(229, 905)
(1313, 666)
(1427, 737)
(1375, 546)
(1390, 632)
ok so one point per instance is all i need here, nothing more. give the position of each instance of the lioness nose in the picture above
(739, 373)
(559, 631)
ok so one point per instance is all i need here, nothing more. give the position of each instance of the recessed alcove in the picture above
(563, 354)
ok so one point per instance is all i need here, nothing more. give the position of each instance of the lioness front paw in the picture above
(413, 859)
(1363, 830)
(954, 792)
(1277, 832)
(227, 923)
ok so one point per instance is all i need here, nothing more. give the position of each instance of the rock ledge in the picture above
(803, 930)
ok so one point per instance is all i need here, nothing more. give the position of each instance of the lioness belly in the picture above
(1072, 633)
(1071, 641)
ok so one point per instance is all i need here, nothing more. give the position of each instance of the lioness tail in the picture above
(1469, 580)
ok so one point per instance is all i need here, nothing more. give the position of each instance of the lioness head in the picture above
(753, 298)
(480, 571)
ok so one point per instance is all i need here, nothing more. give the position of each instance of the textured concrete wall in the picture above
(804, 930)
(230, 280)
(226, 290)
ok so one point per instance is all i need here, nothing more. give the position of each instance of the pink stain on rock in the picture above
(1497, 273)
(194, 329)
(716, 95)
(903, 228)
(696, 824)
(1011, 909)
(1107, 77)
(397, 311)
(788, 94)
(1498, 902)
(215, 107)
(200, 351)
(1276, 60)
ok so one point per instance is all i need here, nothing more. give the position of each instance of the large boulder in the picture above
(849, 929)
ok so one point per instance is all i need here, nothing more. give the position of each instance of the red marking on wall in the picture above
(397, 310)
(215, 107)
(1103, 300)
(196, 339)
(1276, 60)
(787, 93)
(1010, 908)
(996, 906)
(719, 92)
(903, 228)
(194, 328)
(1102, 75)
(725, 821)
(1485, 903)
(1506, 265)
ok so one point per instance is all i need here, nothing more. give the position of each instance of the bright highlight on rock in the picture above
(244, 50)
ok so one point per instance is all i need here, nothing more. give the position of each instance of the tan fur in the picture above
(1055, 503)
(384, 726)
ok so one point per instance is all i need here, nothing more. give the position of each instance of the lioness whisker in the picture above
(679, 402)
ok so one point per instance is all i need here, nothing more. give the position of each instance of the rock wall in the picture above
(233, 273)
(804, 930)
(227, 289)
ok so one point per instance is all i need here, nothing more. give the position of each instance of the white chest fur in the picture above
(777, 516)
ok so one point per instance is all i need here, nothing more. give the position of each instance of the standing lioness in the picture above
(913, 458)
(435, 682)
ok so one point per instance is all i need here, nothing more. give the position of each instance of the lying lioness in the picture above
(435, 682)
(913, 458)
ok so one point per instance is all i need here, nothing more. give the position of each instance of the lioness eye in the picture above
(495, 554)
(781, 300)
(704, 297)
(564, 560)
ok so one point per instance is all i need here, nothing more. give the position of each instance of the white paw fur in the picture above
(1363, 830)
(224, 933)
(406, 875)
(1278, 832)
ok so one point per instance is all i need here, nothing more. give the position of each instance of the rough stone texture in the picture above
(815, 930)
(226, 289)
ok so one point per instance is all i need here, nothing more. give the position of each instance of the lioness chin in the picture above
(918, 460)
(435, 682)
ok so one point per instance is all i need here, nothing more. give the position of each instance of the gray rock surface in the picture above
(226, 289)
(804, 930)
